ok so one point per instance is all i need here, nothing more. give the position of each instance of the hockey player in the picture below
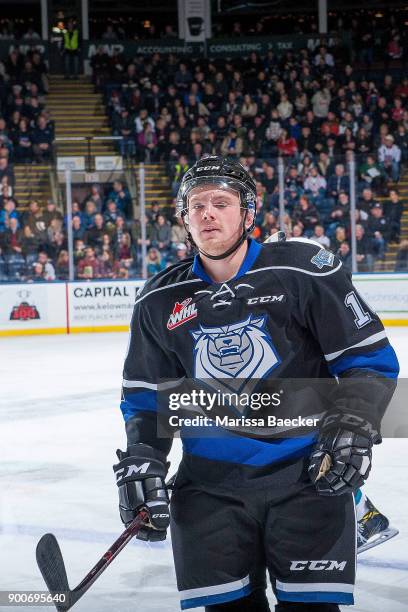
(243, 505)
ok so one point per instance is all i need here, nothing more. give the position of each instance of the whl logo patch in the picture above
(182, 312)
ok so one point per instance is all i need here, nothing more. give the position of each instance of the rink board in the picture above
(106, 306)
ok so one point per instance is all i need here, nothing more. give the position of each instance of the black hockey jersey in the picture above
(290, 312)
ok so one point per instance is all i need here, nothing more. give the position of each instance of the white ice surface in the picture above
(59, 427)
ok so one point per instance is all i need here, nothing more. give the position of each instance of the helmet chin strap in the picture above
(227, 253)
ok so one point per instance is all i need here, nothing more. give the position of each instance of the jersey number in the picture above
(361, 317)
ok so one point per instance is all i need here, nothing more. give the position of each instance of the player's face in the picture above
(214, 218)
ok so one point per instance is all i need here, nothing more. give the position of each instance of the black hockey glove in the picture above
(140, 476)
(341, 459)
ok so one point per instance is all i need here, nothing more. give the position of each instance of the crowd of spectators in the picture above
(366, 26)
(257, 21)
(291, 105)
(26, 129)
(33, 244)
(107, 242)
(307, 108)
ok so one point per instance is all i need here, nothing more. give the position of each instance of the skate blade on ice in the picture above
(378, 539)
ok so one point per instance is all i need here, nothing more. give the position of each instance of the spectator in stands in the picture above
(51, 213)
(154, 262)
(340, 236)
(340, 215)
(12, 237)
(78, 231)
(111, 214)
(89, 266)
(180, 253)
(177, 172)
(305, 213)
(6, 213)
(366, 201)
(5, 140)
(30, 243)
(94, 236)
(143, 118)
(48, 268)
(96, 197)
(286, 144)
(401, 264)
(42, 138)
(297, 230)
(338, 182)
(109, 33)
(401, 140)
(320, 237)
(365, 254)
(23, 144)
(321, 102)
(121, 196)
(379, 230)
(71, 50)
(372, 173)
(35, 219)
(79, 251)
(272, 134)
(315, 185)
(62, 265)
(147, 143)
(344, 254)
(269, 179)
(116, 235)
(393, 209)
(56, 244)
(161, 235)
(124, 252)
(89, 214)
(389, 156)
(178, 232)
(37, 274)
(123, 126)
(232, 145)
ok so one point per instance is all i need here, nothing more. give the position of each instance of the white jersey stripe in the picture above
(311, 587)
(370, 340)
(297, 270)
(193, 280)
(216, 589)
(135, 384)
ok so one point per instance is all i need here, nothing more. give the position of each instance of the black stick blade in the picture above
(52, 568)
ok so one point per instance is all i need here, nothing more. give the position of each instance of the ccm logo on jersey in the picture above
(182, 312)
(318, 566)
(132, 469)
(266, 299)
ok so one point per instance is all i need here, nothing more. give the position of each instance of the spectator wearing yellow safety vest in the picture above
(71, 51)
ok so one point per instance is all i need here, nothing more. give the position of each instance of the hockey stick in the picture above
(52, 566)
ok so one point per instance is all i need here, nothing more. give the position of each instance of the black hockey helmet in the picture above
(221, 172)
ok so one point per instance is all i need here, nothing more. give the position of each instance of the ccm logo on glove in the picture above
(132, 469)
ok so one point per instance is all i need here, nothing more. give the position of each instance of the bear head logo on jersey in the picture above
(239, 350)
